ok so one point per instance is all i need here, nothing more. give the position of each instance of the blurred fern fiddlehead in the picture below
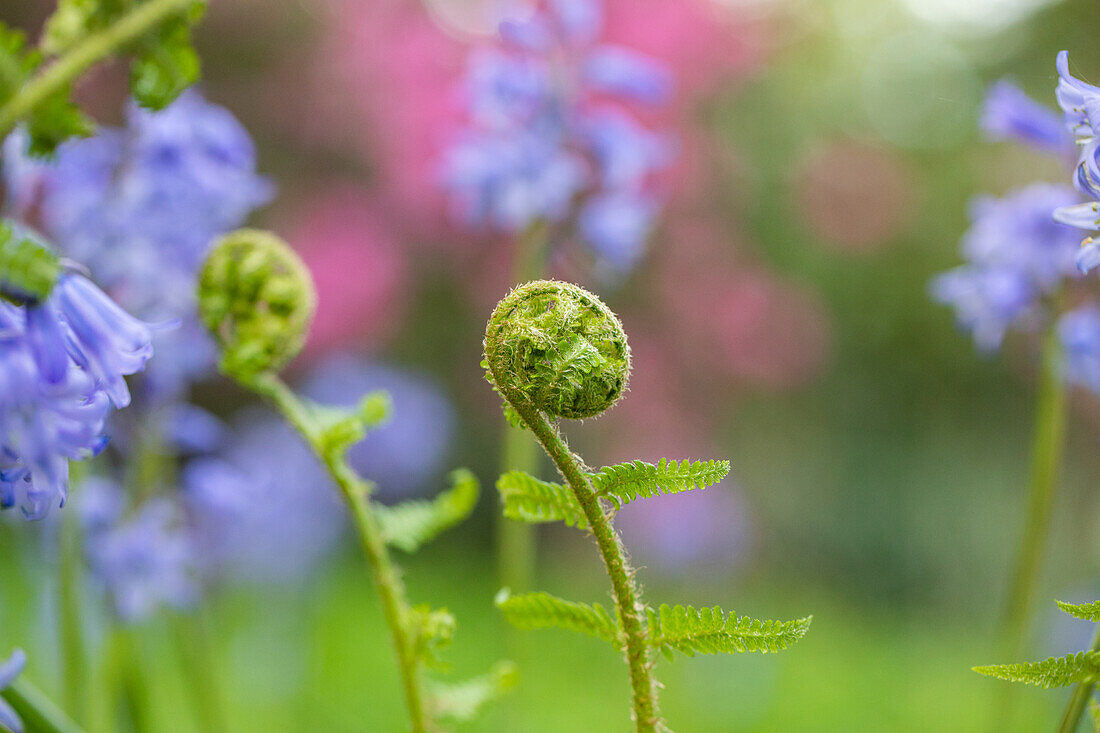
(554, 350)
(257, 298)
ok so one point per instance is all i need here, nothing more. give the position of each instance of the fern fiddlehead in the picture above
(554, 350)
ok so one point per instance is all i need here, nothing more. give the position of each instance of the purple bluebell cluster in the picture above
(145, 559)
(9, 670)
(138, 206)
(1017, 254)
(62, 364)
(550, 138)
(1080, 104)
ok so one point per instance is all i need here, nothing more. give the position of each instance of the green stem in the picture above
(74, 658)
(1079, 700)
(356, 492)
(39, 713)
(200, 670)
(1046, 462)
(94, 48)
(635, 636)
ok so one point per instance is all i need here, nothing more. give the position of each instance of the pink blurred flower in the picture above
(358, 270)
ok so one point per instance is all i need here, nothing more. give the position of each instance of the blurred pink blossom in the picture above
(359, 272)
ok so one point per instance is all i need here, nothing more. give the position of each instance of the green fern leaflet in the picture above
(1053, 672)
(1086, 611)
(709, 631)
(528, 499)
(544, 611)
(409, 525)
(626, 482)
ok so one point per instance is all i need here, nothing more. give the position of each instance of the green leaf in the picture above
(166, 63)
(1053, 672)
(28, 270)
(709, 631)
(74, 19)
(544, 611)
(16, 62)
(430, 631)
(340, 428)
(461, 702)
(528, 499)
(1086, 611)
(626, 482)
(409, 525)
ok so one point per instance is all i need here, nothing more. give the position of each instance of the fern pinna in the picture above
(554, 350)
(1081, 670)
(257, 299)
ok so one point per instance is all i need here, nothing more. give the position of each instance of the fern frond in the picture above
(460, 702)
(429, 631)
(544, 611)
(626, 482)
(1086, 611)
(409, 525)
(1053, 672)
(709, 631)
(528, 499)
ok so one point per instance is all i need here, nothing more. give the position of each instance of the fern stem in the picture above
(94, 48)
(1046, 463)
(356, 492)
(1079, 700)
(627, 597)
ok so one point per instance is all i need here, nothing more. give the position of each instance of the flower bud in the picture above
(557, 348)
(257, 298)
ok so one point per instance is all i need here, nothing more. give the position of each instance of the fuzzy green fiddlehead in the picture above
(557, 348)
(257, 298)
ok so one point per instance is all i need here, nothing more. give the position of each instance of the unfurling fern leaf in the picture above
(1086, 611)
(429, 631)
(528, 499)
(626, 482)
(28, 270)
(709, 631)
(1053, 672)
(460, 702)
(409, 525)
(544, 611)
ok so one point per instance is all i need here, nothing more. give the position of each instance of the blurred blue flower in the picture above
(548, 131)
(987, 300)
(146, 559)
(9, 670)
(1079, 332)
(139, 206)
(407, 452)
(1009, 114)
(263, 508)
(1017, 253)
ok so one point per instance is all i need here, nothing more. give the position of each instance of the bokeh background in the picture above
(780, 318)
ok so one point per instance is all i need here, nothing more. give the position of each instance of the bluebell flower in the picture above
(987, 300)
(44, 421)
(145, 560)
(1009, 114)
(407, 452)
(1079, 332)
(1079, 100)
(138, 206)
(549, 131)
(1016, 254)
(9, 670)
